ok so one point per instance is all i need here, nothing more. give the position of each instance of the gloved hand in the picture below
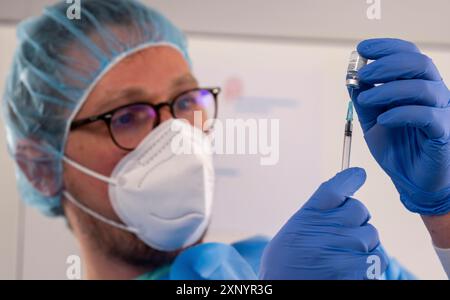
(328, 238)
(406, 122)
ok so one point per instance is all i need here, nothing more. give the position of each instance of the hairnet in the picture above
(56, 65)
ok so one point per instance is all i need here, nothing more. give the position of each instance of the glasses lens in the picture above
(196, 107)
(131, 124)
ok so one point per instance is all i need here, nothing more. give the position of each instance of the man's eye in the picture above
(185, 103)
(126, 119)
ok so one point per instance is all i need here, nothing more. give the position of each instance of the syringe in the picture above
(347, 137)
(356, 62)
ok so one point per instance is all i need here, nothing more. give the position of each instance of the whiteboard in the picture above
(307, 80)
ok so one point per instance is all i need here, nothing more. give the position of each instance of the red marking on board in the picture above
(233, 89)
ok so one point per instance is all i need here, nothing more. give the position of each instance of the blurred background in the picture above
(274, 59)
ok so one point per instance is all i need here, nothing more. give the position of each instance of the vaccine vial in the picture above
(355, 63)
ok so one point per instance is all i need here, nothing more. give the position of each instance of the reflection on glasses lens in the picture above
(199, 103)
(130, 125)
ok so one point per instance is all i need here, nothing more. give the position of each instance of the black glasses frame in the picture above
(107, 117)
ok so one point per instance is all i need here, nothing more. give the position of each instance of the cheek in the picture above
(98, 155)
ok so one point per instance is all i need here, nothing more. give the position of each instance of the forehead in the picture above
(154, 66)
(151, 70)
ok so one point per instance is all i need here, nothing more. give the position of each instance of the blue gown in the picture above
(238, 261)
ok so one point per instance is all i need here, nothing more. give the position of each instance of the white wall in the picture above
(9, 205)
(334, 20)
(316, 20)
(299, 83)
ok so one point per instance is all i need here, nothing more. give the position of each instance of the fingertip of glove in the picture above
(353, 171)
(349, 180)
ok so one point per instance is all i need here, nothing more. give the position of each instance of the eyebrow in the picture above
(134, 93)
(182, 80)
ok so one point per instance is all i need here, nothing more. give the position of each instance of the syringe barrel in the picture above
(346, 152)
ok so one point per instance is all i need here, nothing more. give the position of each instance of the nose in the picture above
(165, 114)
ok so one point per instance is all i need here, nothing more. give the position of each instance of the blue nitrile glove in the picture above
(211, 261)
(406, 122)
(328, 238)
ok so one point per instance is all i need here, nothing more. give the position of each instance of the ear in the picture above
(39, 167)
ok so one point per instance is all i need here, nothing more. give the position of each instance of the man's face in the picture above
(152, 75)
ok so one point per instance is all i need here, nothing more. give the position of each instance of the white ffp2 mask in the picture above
(162, 196)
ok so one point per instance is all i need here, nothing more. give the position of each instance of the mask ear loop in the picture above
(97, 215)
(87, 209)
(90, 172)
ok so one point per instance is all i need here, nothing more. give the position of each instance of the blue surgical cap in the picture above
(56, 65)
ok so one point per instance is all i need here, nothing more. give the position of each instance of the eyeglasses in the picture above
(128, 125)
